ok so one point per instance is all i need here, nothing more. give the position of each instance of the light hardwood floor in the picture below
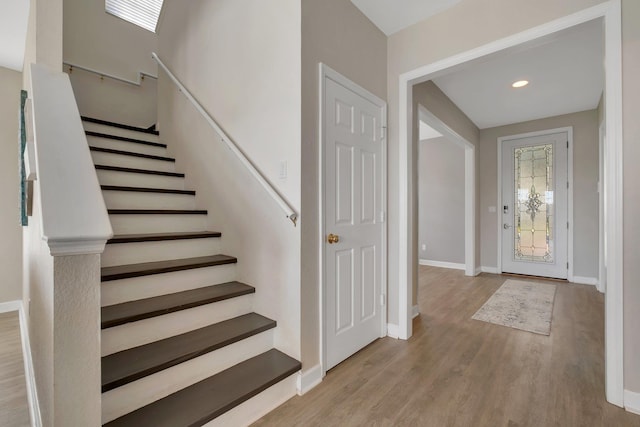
(14, 406)
(456, 371)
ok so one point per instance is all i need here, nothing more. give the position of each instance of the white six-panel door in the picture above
(353, 217)
(534, 225)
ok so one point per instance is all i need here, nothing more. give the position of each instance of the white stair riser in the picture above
(135, 288)
(111, 130)
(137, 394)
(143, 200)
(157, 223)
(258, 406)
(134, 253)
(139, 180)
(145, 331)
(124, 161)
(114, 144)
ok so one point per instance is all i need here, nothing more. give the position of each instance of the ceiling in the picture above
(14, 15)
(566, 75)
(392, 16)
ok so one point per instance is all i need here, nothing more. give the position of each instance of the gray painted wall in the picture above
(441, 201)
(10, 229)
(585, 191)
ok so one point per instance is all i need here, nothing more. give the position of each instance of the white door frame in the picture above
(569, 131)
(610, 12)
(326, 72)
(469, 186)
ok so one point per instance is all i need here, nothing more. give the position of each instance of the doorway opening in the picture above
(609, 14)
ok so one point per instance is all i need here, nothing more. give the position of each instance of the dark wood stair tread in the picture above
(130, 365)
(146, 190)
(157, 237)
(131, 153)
(210, 398)
(159, 267)
(157, 212)
(133, 311)
(119, 125)
(124, 138)
(134, 170)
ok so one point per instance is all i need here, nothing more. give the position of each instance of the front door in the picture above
(534, 223)
(353, 219)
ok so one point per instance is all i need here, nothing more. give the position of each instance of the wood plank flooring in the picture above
(14, 406)
(456, 371)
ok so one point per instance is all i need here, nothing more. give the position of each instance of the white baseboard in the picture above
(6, 307)
(308, 379)
(477, 271)
(442, 264)
(393, 330)
(416, 311)
(632, 402)
(585, 280)
(491, 270)
(32, 393)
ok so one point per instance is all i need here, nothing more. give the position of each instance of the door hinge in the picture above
(382, 216)
(567, 185)
(567, 144)
(383, 299)
(383, 134)
(567, 225)
(567, 266)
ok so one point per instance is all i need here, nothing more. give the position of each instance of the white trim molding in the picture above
(632, 402)
(393, 331)
(6, 307)
(490, 270)
(308, 379)
(415, 311)
(610, 12)
(580, 280)
(32, 393)
(443, 264)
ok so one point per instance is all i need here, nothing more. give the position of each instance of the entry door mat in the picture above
(521, 305)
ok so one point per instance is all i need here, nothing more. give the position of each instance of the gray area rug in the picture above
(521, 305)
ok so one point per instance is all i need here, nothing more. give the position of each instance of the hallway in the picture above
(456, 371)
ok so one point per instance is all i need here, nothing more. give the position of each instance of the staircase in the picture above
(180, 343)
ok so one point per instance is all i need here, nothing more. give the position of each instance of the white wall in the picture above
(102, 42)
(441, 201)
(585, 189)
(242, 61)
(10, 229)
(336, 33)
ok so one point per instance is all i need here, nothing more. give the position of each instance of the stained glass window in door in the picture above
(534, 198)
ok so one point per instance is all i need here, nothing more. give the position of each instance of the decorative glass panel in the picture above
(533, 213)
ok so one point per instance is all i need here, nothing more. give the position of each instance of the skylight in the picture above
(143, 13)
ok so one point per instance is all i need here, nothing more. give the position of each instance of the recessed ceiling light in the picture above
(520, 83)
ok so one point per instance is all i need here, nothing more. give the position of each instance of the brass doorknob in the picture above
(333, 238)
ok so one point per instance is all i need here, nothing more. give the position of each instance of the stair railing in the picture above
(244, 160)
(141, 74)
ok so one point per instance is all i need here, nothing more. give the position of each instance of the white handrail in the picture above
(141, 74)
(291, 214)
